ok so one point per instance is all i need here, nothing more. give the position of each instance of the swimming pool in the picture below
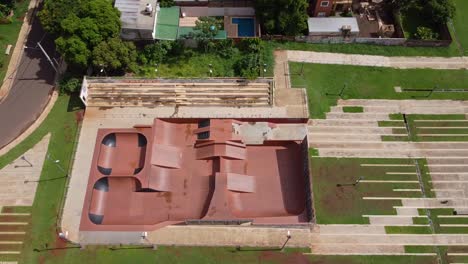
(245, 26)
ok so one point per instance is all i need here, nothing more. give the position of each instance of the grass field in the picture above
(438, 127)
(374, 259)
(344, 205)
(369, 49)
(194, 63)
(9, 34)
(460, 23)
(371, 83)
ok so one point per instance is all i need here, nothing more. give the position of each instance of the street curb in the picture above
(18, 51)
(31, 128)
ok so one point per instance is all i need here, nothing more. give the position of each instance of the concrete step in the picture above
(348, 229)
(447, 161)
(391, 220)
(350, 130)
(343, 122)
(358, 116)
(316, 137)
(361, 249)
(448, 168)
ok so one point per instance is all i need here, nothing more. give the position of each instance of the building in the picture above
(190, 171)
(325, 8)
(332, 27)
(146, 20)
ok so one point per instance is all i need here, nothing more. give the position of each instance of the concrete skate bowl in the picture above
(193, 171)
(122, 154)
(279, 182)
(122, 201)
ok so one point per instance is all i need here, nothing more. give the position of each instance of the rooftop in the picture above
(133, 15)
(167, 25)
(331, 24)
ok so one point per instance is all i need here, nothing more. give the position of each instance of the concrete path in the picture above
(378, 61)
(294, 100)
(19, 179)
(212, 236)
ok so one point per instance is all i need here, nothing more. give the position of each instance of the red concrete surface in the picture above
(177, 177)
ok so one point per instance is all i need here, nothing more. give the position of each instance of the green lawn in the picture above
(460, 23)
(374, 259)
(408, 230)
(344, 205)
(369, 49)
(353, 109)
(194, 63)
(9, 34)
(419, 128)
(371, 83)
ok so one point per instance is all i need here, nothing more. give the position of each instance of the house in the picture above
(332, 27)
(325, 8)
(138, 18)
(146, 20)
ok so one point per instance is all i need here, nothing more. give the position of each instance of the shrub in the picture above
(248, 66)
(155, 53)
(425, 33)
(166, 3)
(69, 84)
(251, 45)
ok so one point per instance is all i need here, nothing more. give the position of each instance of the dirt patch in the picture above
(10, 247)
(15, 218)
(11, 237)
(79, 115)
(12, 228)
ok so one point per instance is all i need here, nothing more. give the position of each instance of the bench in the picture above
(8, 49)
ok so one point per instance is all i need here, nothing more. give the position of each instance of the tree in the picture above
(425, 33)
(206, 28)
(437, 11)
(286, 17)
(74, 50)
(80, 26)
(440, 11)
(115, 55)
(154, 53)
(166, 3)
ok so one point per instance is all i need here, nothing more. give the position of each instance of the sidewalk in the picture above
(378, 61)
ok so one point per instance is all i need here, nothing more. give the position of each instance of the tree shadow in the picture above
(75, 103)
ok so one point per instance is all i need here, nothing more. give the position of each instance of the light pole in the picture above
(103, 69)
(264, 69)
(156, 70)
(288, 237)
(56, 162)
(211, 69)
(351, 184)
(45, 54)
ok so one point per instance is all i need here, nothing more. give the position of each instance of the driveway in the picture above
(31, 88)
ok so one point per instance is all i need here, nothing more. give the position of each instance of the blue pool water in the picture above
(245, 26)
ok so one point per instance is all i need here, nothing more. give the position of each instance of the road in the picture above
(31, 88)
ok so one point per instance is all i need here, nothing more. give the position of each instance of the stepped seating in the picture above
(149, 94)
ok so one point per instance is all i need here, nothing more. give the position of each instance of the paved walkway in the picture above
(19, 179)
(294, 100)
(378, 61)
